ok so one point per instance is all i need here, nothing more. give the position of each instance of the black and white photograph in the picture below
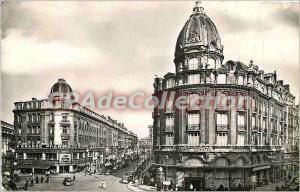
(150, 95)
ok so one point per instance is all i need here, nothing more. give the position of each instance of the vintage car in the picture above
(125, 179)
(68, 181)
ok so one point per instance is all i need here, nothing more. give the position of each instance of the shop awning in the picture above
(33, 166)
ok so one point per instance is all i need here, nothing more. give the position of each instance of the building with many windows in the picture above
(246, 132)
(8, 136)
(57, 134)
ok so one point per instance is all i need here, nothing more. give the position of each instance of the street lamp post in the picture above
(13, 164)
(166, 159)
(87, 153)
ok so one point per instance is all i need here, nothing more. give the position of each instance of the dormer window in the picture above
(64, 117)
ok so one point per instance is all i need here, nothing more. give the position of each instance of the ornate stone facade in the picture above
(65, 136)
(222, 146)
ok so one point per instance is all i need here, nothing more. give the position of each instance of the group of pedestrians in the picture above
(30, 182)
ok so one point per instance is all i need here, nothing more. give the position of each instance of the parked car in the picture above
(107, 172)
(125, 179)
(68, 181)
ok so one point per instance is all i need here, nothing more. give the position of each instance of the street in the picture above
(84, 183)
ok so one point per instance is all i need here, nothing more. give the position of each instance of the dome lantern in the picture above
(199, 37)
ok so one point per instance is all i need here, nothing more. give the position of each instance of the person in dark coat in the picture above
(74, 177)
(31, 182)
(36, 179)
(42, 179)
(26, 184)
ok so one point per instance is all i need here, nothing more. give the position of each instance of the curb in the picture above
(132, 188)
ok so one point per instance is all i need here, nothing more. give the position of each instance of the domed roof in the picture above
(61, 86)
(199, 30)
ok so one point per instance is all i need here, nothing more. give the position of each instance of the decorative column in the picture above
(57, 168)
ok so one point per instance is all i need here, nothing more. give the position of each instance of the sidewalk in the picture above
(139, 188)
(269, 187)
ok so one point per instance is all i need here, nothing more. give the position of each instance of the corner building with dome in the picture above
(52, 135)
(251, 144)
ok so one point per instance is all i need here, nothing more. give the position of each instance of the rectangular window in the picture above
(194, 79)
(259, 139)
(241, 139)
(169, 139)
(193, 139)
(193, 63)
(241, 120)
(193, 120)
(170, 83)
(169, 105)
(254, 138)
(222, 139)
(194, 101)
(241, 80)
(222, 122)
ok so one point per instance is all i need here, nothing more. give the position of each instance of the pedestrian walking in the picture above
(26, 184)
(31, 182)
(74, 177)
(42, 179)
(103, 185)
(36, 179)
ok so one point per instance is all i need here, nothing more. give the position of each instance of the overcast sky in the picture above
(120, 46)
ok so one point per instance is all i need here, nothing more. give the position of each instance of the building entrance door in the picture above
(64, 169)
(194, 184)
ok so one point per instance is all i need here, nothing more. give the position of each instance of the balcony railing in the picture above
(212, 148)
(222, 127)
(36, 162)
(169, 129)
(169, 110)
(241, 109)
(65, 122)
(193, 127)
(273, 116)
(254, 128)
(33, 134)
(265, 130)
(65, 135)
(241, 128)
(78, 161)
(265, 114)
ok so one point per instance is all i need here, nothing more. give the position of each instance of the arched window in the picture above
(193, 63)
(211, 63)
(204, 60)
(240, 80)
